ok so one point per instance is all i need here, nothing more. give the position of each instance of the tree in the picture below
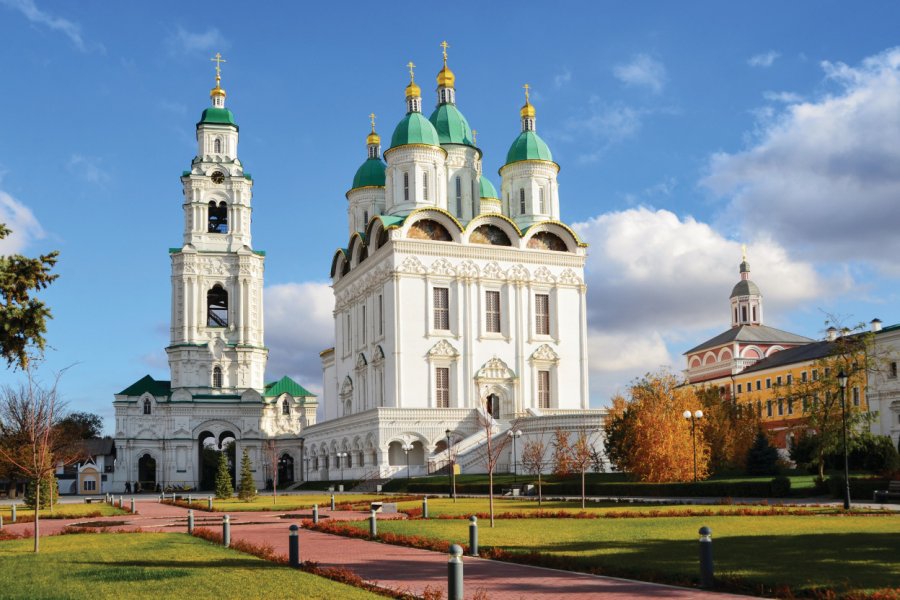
(762, 458)
(271, 450)
(246, 487)
(82, 425)
(23, 318)
(562, 453)
(224, 489)
(533, 452)
(31, 443)
(647, 435)
(728, 428)
(580, 453)
(491, 451)
(46, 496)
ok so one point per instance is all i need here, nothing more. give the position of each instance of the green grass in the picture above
(287, 502)
(65, 511)
(152, 566)
(854, 553)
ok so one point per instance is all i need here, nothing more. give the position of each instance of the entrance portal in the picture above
(147, 472)
(492, 405)
(285, 469)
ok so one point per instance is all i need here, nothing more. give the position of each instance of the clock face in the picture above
(218, 177)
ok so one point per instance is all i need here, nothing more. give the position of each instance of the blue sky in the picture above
(682, 131)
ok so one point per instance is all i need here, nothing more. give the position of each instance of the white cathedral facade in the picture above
(460, 313)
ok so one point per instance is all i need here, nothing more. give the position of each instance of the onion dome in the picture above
(414, 128)
(487, 188)
(529, 145)
(745, 287)
(451, 125)
(371, 172)
(217, 114)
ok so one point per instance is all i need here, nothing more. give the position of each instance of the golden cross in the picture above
(218, 60)
(372, 117)
(445, 45)
(474, 136)
(527, 87)
(412, 75)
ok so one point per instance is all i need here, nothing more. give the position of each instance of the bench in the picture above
(892, 493)
(91, 499)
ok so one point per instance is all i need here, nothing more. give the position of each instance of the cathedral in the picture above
(460, 316)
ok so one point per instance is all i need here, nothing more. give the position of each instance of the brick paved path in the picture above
(394, 567)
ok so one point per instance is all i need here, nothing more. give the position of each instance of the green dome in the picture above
(217, 116)
(369, 174)
(528, 146)
(451, 126)
(487, 188)
(414, 128)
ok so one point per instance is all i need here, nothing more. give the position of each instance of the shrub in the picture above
(781, 486)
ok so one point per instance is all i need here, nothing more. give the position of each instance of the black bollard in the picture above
(425, 507)
(373, 524)
(190, 521)
(226, 531)
(315, 513)
(455, 574)
(473, 536)
(294, 547)
(707, 580)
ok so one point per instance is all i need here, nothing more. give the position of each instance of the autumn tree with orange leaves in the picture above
(647, 435)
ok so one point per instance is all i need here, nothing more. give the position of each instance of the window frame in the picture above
(440, 315)
(493, 315)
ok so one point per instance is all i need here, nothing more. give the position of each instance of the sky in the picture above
(683, 130)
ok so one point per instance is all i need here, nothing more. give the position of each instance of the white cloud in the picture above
(31, 12)
(823, 176)
(299, 325)
(21, 221)
(88, 168)
(562, 78)
(182, 41)
(763, 60)
(642, 71)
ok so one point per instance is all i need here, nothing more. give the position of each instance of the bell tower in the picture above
(217, 344)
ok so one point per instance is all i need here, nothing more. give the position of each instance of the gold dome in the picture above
(413, 90)
(527, 110)
(446, 78)
(373, 139)
(216, 91)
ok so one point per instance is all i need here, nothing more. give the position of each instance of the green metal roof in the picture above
(147, 384)
(414, 128)
(370, 174)
(288, 386)
(388, 221)
(217, 116)
(451, 126)
(528, 146)
(487, 188)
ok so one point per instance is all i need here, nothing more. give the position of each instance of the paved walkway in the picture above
(394, 567)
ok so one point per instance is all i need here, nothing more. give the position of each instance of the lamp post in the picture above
(341, 456)
(514, 433)
(406, 448)
(451, 465)
(693, 417)
(842, 380)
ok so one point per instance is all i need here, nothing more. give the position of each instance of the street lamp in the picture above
(451, 465)
(406, 448)
(842, 380)
(693, 417)
(514, 433)
(341, 456)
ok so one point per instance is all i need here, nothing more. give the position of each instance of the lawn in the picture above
(286, 502)
(152, 566)
(64, 511)
(855, 553)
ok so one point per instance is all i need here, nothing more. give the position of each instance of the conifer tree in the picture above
(762, 458)
(49, 494)
(246, 487)
(224, 489)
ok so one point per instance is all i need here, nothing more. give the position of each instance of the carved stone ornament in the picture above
(442, 266)
(443, 349)
(545, 354)
(493, 271)
(518, 273)
(468, 270)
(543, 275)
(568, 277)
(411, 265)
(495, 370)
(361, 362)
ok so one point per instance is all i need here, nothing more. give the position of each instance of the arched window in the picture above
(522, 200)
(217, 377)
(458, 196)
(541, 200)
(406, 186)
(217, 307)
(217, 146)
(425, 186)
(147, 409)
(285, 407)
(218, 218)
(365, 218)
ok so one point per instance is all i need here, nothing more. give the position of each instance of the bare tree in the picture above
(533, 452)
(271, 450)
(493, 449)
(30, 441)
(581, 455)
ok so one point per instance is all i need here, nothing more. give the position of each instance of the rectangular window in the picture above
(790, 406)
(90, 485)
(425, 186)
(780, 407)
(803, 377)
(739, 390)
(458, 196)
(380, 314)
(406, 187)
(790, 379)
(778, 380)
(768, 383)
(441, 308)
(758, 384)
(542, 314)
(522, 201)
(544, 389)
(492, 312)
(892, 373)
(364, 324)
(815, 374)
(541, 199)
(768, 408)
(856, 396)
(442, 387)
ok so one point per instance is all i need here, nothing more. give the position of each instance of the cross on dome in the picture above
(217, 93)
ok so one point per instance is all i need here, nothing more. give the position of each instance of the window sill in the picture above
(489, 335)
